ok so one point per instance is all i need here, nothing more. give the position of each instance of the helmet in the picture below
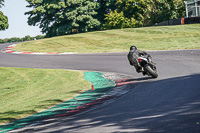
(133, 48)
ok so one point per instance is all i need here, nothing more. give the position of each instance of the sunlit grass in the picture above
(147, 38)
(26, 91)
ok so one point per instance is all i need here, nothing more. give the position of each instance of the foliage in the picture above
(117, 20)
(132, 8)
(3, 19)
(28, 38)
(144, 12)
(10, 40)
(60, 17)
(1, 3)
(166, 10)
(16, 39)
(104, 7)
(39, 37)
(132, 11)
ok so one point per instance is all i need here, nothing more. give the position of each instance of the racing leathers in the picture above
(133, 58)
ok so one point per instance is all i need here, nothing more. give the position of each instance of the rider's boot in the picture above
(144, 73)
(139, 70)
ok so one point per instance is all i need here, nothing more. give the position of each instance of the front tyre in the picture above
(152, 72)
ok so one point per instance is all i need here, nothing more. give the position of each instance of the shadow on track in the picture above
(164, 106)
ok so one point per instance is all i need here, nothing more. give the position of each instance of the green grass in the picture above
(147, 38)
(26, 91)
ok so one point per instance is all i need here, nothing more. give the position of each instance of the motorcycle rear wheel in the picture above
(152, 72)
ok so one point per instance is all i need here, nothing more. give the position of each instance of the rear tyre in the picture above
(152, 72)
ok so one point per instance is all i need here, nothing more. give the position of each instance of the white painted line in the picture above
(38, 53)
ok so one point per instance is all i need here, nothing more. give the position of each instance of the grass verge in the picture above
(147, 38)
(27, 91)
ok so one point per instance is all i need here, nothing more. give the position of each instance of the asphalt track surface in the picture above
(168, 104)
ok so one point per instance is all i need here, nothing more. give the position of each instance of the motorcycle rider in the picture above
(133, 56)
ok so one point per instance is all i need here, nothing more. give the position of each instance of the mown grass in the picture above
(147, 38)
(26, 91)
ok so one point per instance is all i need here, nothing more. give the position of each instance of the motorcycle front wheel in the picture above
(152, 72)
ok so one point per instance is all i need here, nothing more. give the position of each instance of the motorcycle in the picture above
(147, 66)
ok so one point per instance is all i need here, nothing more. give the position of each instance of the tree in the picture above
(27, 38)
(104, 7)
(3, 19)
(60, 17)
(1, 3)
(16, 39)
(144, 12)
(166, 10)
(117, 20)
(39, 37)
(132, 8)
(130, 12)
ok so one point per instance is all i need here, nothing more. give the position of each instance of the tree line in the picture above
(23, 39)
(139, 13)
(62, 17)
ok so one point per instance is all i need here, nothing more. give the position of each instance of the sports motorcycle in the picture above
(147, 67)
